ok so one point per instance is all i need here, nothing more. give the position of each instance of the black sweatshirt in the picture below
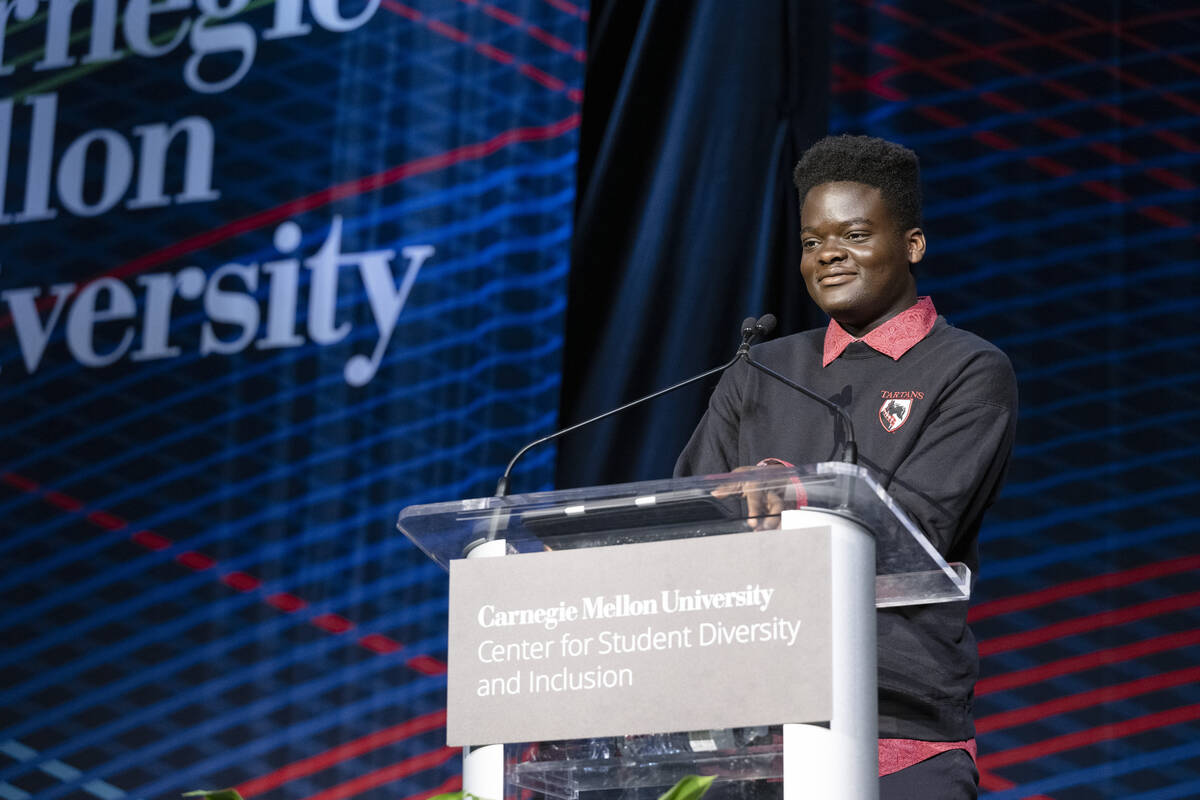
(936, 428)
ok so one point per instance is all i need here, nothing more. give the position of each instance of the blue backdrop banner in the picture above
(270, 271)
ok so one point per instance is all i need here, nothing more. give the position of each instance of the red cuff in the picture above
(800, 499)
(898, 754)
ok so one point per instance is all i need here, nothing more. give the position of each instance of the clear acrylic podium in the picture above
(879, 559)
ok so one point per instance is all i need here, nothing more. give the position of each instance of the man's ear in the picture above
(915, 240)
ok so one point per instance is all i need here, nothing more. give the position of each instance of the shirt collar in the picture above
(893, 338)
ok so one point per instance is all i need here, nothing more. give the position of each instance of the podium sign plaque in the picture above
(689, 634)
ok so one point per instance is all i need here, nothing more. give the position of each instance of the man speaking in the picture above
(933, 407)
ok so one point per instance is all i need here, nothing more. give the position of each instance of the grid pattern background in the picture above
(203, 586)
(1059, 147)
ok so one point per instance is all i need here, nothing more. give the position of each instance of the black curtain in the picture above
(686, 222)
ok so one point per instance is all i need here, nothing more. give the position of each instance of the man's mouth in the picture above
(836, 278)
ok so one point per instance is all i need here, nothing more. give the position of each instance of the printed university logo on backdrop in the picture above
(226, 297)
(210, 33)
(101, 321)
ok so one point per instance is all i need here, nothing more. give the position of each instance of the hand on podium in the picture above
(764, 503)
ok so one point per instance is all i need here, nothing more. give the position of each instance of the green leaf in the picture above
(215, 794)
(690, 787)
(459, 795)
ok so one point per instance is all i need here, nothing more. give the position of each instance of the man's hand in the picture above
(763, 504)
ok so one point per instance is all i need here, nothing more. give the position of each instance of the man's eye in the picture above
(857, 236)
(809, 244)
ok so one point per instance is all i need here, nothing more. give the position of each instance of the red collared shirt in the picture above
(893, 338)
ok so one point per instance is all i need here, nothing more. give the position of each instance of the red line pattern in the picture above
(1081, 700)
(151, 540)
(1097, 583)
(107, 521)
(1100, 733)
(1037, 37)
(394, 772)
(426, 665)
(1091, 622)
(496, 54)
(568, 8)
(324, 197)
(1095, 697)
(1124, 31)
(969, 51)
(62, 501)
(333, 623)
(351, 188)
(994, 783)
(240, 581)
(20, 482)
(1086, 661)
(1022, 43)
(379, 643)
(343, 752)
(197, 562)
(546, 38)
(286, 602)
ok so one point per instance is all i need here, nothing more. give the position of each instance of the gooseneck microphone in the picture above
(765, 325)
(763, 328)
(749, 329)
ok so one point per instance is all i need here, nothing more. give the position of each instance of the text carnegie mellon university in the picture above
(624, 605)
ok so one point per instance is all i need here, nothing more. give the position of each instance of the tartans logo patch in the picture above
(897, 408)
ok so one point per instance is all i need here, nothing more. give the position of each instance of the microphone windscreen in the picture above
(748, 326)
(765, 325)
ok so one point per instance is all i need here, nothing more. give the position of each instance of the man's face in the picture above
(855, 259)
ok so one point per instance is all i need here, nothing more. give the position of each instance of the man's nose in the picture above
(831, 251)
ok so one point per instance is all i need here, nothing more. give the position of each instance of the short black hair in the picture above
(891, 168)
